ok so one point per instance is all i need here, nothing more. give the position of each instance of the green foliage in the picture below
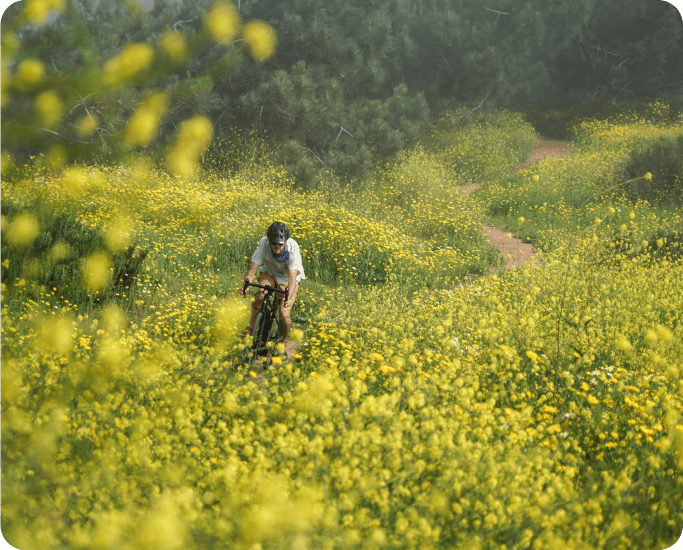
(663, 158)
(559, 122)
(55, 258)
(482, 145)
(630, 49)
(349, 84)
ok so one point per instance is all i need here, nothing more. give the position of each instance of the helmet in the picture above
(278, 233)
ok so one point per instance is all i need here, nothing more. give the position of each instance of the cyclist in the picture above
(278, 259)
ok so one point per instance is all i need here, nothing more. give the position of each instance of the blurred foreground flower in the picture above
(161, 528)
(30, 71)
(22, 230)
(87, 125)
(623, 344)
(37, 11)
(174, 45)
(59, 252)
(231, 314)
(143, 125)
(74, 180)
(114, 319)
(96, 271)
(49, 108)
(261, 39)
(5, 80)
(193, 138)
(57, 155)
(132, 59)
(119, 235)
(54, 334)
(222, 22)
(5, 161)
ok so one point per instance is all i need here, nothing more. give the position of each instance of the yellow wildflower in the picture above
(623, 344)
(96, 271)
(74, 180)
(23, 230)
(142, 126)
(386, 369)
(131, 61)
(36, 11)
(30, 71)
(49, 108)
(175, 46)
(118, 236)
(222, 22)
(87, 125)
(261, 39)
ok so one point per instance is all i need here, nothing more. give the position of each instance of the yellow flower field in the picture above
(429, 405)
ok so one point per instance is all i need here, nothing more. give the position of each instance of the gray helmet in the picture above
(278, 233)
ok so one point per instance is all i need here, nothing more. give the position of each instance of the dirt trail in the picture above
(515, 251)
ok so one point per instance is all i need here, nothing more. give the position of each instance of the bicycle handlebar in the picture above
(248, 283)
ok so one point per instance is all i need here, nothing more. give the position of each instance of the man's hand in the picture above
(248, 277)
(243, 289)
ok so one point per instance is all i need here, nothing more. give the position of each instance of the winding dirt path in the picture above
(515, 251)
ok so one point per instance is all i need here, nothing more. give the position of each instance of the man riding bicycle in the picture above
(278, 259)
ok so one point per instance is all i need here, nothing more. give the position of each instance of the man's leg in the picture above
(285, 316)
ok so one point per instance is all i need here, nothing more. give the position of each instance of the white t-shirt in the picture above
(279, 269)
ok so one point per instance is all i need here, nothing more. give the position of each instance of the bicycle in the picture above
(266, 328)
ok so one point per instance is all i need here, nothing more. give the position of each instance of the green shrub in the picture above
(55, 257)
(663, 158)
(558, 123)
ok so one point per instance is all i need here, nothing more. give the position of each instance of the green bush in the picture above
(557, 123)
(663, 158)
(55, 257)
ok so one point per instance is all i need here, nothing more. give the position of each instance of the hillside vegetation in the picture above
(428, 405)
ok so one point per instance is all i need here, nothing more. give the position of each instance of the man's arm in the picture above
(249, 275)
(293, 287)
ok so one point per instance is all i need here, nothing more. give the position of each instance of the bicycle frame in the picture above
(262, 331)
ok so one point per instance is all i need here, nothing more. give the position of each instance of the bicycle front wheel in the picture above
(272, 331)
(257, 333)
